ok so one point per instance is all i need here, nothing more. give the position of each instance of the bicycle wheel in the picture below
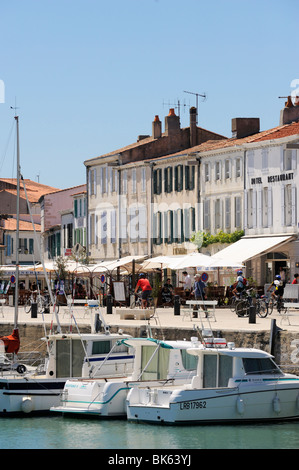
(270, 306)
(261, 308)
(242, 308)
(27, 306)
(232, 304)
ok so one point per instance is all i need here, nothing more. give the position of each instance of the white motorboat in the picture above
(231, 385)
(35, 390)
(157, 363)
(69, 355)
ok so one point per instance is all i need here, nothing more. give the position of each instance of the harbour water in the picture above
(57, 432)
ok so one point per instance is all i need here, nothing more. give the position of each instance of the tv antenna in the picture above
(177, 106)
(204, 96)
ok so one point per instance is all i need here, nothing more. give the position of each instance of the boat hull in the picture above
(29, 396)
(243, 404)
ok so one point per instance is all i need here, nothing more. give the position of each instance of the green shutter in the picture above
(187, 177)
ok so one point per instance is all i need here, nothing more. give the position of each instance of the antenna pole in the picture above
(197, 95)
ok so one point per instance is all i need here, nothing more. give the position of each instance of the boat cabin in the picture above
(79, 355)
(223, 366)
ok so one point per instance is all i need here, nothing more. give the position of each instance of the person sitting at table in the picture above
(167, 292)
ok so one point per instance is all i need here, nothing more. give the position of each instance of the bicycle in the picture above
(37, 299)
(137, 302)
(243, 304)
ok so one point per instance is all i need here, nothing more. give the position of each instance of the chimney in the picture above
(172, 123)
(157, 128)
(244, 127)
(290, 112)
(193, 127)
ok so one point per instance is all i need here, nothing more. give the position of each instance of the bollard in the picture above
(34, 310)
(252, 314)
(109, 304)
(176, 305)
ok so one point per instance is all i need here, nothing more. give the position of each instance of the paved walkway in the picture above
(225, 319)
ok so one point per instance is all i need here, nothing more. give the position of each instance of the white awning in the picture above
(248, 248)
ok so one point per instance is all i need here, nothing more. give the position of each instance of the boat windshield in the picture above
(260, 366)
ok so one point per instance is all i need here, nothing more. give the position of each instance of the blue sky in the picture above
(89, 76)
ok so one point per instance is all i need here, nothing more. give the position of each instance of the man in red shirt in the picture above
(146, 288)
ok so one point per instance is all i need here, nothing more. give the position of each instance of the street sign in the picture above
(102, 278)
(12, 279)
(204, 277)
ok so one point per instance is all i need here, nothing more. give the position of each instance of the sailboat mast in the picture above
(17, 228)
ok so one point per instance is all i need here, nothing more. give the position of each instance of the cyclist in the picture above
(239, 286)
(146, 288)
(279, 285)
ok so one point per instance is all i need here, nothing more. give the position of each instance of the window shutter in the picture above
(270, 217)
(282, 205)
(187, 178)
(294, 206)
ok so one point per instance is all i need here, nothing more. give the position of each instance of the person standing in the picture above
(295, 280)
(187, 284)
(199, 293)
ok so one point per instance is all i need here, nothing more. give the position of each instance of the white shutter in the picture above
(113, 225)
(282, 205)
(270, 213)
(254, 209)
(294, 206)
(245, 208)
(142, 217)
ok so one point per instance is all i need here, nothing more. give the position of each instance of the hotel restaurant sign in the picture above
(273, 179)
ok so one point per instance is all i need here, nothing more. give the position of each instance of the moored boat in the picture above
(157, 363)
(231, 385)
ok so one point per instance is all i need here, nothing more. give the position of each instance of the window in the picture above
(31, 246)
(265, 165)
(260, 366)
(217, 370)
(289, 205)
(227, 169)
(287, 159)
(238, 168)
(206, 172)
(101, 347)
(218, 171)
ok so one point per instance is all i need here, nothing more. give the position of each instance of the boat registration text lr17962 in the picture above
(193, 405)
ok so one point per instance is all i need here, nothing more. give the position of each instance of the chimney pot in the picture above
(156, 128)
(171, 112)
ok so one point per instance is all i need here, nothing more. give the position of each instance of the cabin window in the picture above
(101, 347)
(69, 358)
(157, 368)
(189, 361)
(260, 366)
(217, 370)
